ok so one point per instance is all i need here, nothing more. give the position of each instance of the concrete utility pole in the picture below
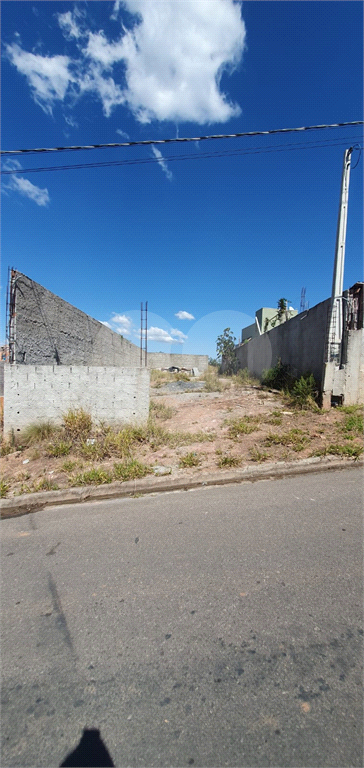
(336, 320)
(331, 380)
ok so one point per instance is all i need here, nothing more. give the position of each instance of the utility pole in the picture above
(334, 332)
(144, 334)
(336, 319)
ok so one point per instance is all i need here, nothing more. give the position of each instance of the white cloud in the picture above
(174, 57)
(48, 76)
(159, 334)
(24, 186)
(104, 322)
(178, 333)
(67, 22)
(116, 10)
(121, 324)
(70, 121)
(123, 134)
(184, 315)
(161, 161)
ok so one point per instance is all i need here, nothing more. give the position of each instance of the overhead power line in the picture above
(177, 139)
(343, 141)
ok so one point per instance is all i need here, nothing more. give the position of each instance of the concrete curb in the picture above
(22, 505)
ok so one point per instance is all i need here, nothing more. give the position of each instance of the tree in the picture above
(225, 349)
(282, 310)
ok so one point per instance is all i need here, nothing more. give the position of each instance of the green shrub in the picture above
(278, 377)
(304, 392)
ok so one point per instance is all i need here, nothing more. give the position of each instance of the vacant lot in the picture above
(189, 430)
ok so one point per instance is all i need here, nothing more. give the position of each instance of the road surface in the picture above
(215, 627)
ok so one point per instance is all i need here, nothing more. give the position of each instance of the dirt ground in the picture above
(234, 428)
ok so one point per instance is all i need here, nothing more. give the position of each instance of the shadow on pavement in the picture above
(91, 751)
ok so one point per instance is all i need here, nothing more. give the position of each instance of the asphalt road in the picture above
(215, 627)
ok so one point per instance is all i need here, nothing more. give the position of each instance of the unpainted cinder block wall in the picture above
(36, 393)
(49, 330)
(300, 343)
(166, 360)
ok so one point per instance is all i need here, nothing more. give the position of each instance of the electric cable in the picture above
(177, 139)
(323, 143)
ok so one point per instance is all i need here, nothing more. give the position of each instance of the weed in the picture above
(243, 378)
(60, 448)
(257, 455)
(213, 383)
(190, 460)
(229, 461)
(353, 422)
(129, 470)
(4, 487)
(303, 393)
(352, 451)
(94, 476)
(96, 450)
(36, 433)
(68, 466)
(243, 426)
(276, 421)
(160, 410)
(34, 454)
(45, 485)
(295, 438)
(6, 448)
(278, 377)
(77, 423)
(350, 408)
(158, 378)
(24, 489)
(181, 376)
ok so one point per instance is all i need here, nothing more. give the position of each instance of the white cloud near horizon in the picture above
(162, 163)
(174, 57)
(159, 334)
(182, 315)
(24, 186)
(121, 324)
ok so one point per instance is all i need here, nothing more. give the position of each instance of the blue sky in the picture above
(205, 240)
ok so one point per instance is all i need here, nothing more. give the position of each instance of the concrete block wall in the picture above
(348, 382)
(36, 393)
(299, 342)
(49, 330)
(166, 360)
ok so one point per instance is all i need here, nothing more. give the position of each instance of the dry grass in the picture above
(82, 452)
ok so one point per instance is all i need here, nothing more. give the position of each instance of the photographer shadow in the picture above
(91, 752)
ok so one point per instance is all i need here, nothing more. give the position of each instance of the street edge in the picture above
(22, 505)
